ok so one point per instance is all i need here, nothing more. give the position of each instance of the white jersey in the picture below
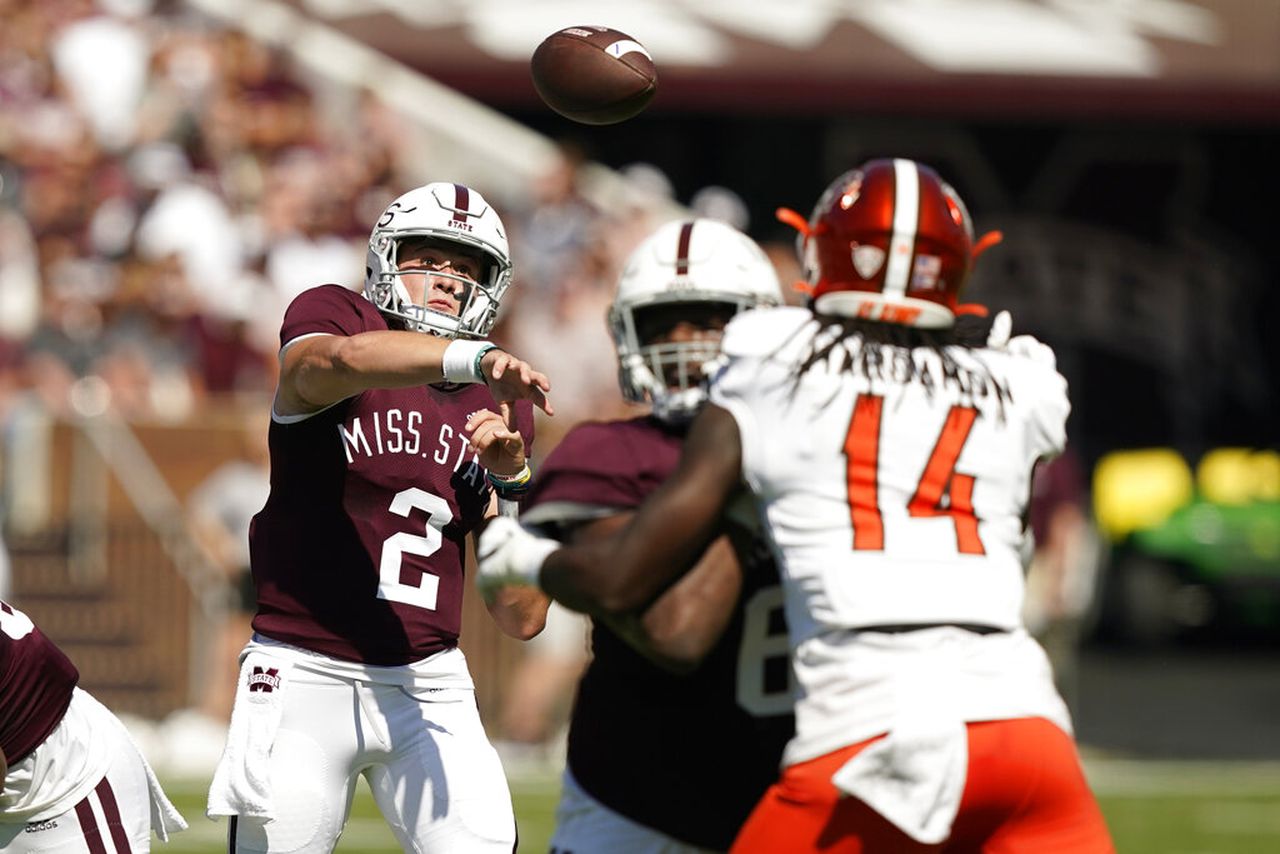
(891, 502)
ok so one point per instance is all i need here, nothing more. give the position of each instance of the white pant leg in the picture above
(586, 826)
(442, 787)
(67, 799)
(314, 758)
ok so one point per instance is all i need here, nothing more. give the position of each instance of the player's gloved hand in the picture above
(508, 554)
(1022, 346)
(1001, 329)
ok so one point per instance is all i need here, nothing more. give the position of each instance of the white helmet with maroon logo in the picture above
(698, 271)
(451, 213)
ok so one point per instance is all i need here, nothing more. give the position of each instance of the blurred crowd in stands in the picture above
(170, 184)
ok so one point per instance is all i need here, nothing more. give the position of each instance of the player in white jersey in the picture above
(887, 437)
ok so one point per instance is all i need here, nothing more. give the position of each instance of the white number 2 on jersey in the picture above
(390, 587)
(14, 623)
(757, 648)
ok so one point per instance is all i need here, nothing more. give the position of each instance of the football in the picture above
(593, 75)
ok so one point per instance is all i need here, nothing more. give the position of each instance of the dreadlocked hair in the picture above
(886, 351)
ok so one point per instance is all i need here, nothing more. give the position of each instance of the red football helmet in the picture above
(889, 241)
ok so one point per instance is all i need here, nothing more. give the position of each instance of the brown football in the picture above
(594, 75)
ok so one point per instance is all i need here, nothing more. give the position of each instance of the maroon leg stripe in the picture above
(682, 250)
(111, 810)
(89, 827)
(461, 202)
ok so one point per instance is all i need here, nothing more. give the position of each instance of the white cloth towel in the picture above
(242, 781)
(165, 818)
(914, 777)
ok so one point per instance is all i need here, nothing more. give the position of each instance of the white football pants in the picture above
(435, 777)
(586, 826)
(84, 789)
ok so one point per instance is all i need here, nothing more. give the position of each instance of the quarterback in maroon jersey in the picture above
(72, 775)
(679, 724)
(396, 430)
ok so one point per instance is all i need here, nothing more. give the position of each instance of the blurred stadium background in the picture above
(172, 172)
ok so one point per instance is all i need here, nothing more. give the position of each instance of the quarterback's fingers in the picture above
(543, 402)
(488, 435)
(486, 431)
(499, 366)
(536, 394)
(514, 379)
(508, 364)
(480, 416)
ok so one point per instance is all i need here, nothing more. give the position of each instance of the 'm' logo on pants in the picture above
(264, 679)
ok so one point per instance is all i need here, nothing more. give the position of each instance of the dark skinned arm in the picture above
(670, 531)
(678, 629)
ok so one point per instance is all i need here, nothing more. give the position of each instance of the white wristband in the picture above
(460, 362)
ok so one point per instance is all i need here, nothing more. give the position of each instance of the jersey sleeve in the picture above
(1049, 404)
(323, 310)
(592, 473)
(755, 351)
(731, 390)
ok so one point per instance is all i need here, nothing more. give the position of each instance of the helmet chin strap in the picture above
(679, 407)
(671, 407)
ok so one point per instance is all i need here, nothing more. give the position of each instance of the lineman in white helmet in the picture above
(388, 446)
(631, 782)
(692, 276)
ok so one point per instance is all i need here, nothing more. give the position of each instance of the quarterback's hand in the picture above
(510, 378)
(507, 554)
(496, 439)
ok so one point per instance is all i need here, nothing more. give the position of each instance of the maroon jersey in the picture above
(36, 680)
(688, 755)
(358, 553)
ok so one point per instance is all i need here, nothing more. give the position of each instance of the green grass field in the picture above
(1151, 807)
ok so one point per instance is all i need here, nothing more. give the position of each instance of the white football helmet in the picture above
(690, 263)
(452, 213)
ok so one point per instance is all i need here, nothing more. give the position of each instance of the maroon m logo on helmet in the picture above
(264, 679)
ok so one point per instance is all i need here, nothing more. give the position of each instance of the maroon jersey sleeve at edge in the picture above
(36, 681)
(604, 465)
(328, 309)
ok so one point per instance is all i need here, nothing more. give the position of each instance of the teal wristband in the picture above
(475, 369)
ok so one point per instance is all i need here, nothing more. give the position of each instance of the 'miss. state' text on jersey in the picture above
(687, 755)
(891, 502)
(36, 683)
(359, 551)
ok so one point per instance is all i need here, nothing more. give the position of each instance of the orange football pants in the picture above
(1025, 792)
